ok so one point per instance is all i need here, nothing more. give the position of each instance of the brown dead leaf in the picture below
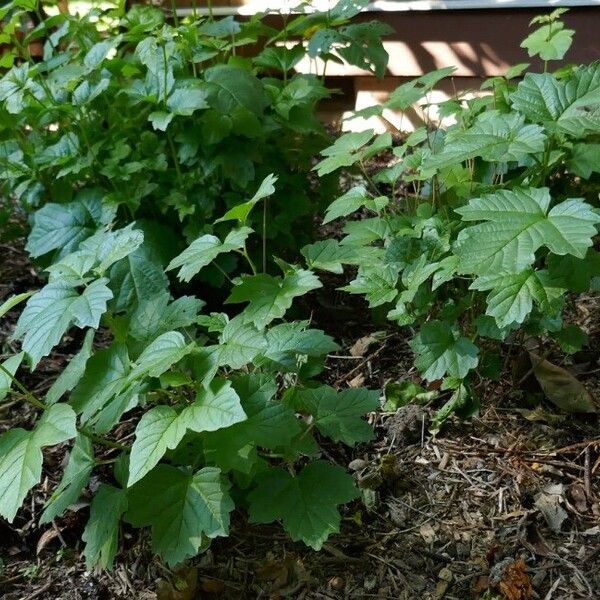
(284, 576)
(515, 583)
(548, 502)
(360, 347)
(535, 542)
(428, 533)
(357, 381)
(481, 585)
(562, 388)
(578, 496)
(183, 587)
(45, 539)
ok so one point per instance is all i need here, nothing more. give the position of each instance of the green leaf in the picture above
(351, 201)
(571, 105)
(73, 372)
(461, 402)
(160, 429)
(232, 87)
(187, 99)
(584, 160)
(549, 42)
(105, 376)
(306, 504)
(167, 349)
(518, 223)
(21, 455)
(160, 120)
(404, 96)
(495, 137)
(269, 424)
(13, 301)
(97, 253)
(156, 315)
(202, 251)
(571, 338)
(74, 479)
(64, 226)
(50, 313)
(573, 273)
(512, 295)
(11, 365)
(270, 297)
(239, 344)
(286, 341)
(101, 534)
(98, 52)
(137, 277)
(329, 255)
(214, 408)
(376, 282)
(184, 510)
(338, 415)
(240, 212)
(344, 152)
(440, 352)
(406, 392)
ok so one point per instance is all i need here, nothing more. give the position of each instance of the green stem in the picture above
(175, 160)
(174, 9)
(26, 393)
(244, 253)
(264, 237)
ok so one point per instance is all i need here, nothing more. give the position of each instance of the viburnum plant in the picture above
(493, 234)
(173, 121)
(125, 138)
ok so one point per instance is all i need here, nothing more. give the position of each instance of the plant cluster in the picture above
(173, 122)
(123, 141)
(492, 235)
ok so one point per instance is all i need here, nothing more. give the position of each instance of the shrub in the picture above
(493, 235)
(116, 136)
(173, 122)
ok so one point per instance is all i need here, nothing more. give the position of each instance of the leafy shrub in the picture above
(173, 122)
(168, 125)
(494, 234)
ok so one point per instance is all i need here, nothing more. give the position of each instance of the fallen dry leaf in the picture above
(548, 502)
(184, 586)
(45, 539)
(514, 581)
(578, 496)
(362, 344)
(562, 388)
(427, 533)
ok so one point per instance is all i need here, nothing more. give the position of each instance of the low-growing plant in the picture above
(173, 121)
(492, 234)
(117, 134)
(218, 396)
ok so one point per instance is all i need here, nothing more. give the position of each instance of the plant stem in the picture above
(175, 160)
(264, 239)
(26, 393)
(174, 9)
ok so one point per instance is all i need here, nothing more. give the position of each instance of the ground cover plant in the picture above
(124, 140)
(494, 233)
